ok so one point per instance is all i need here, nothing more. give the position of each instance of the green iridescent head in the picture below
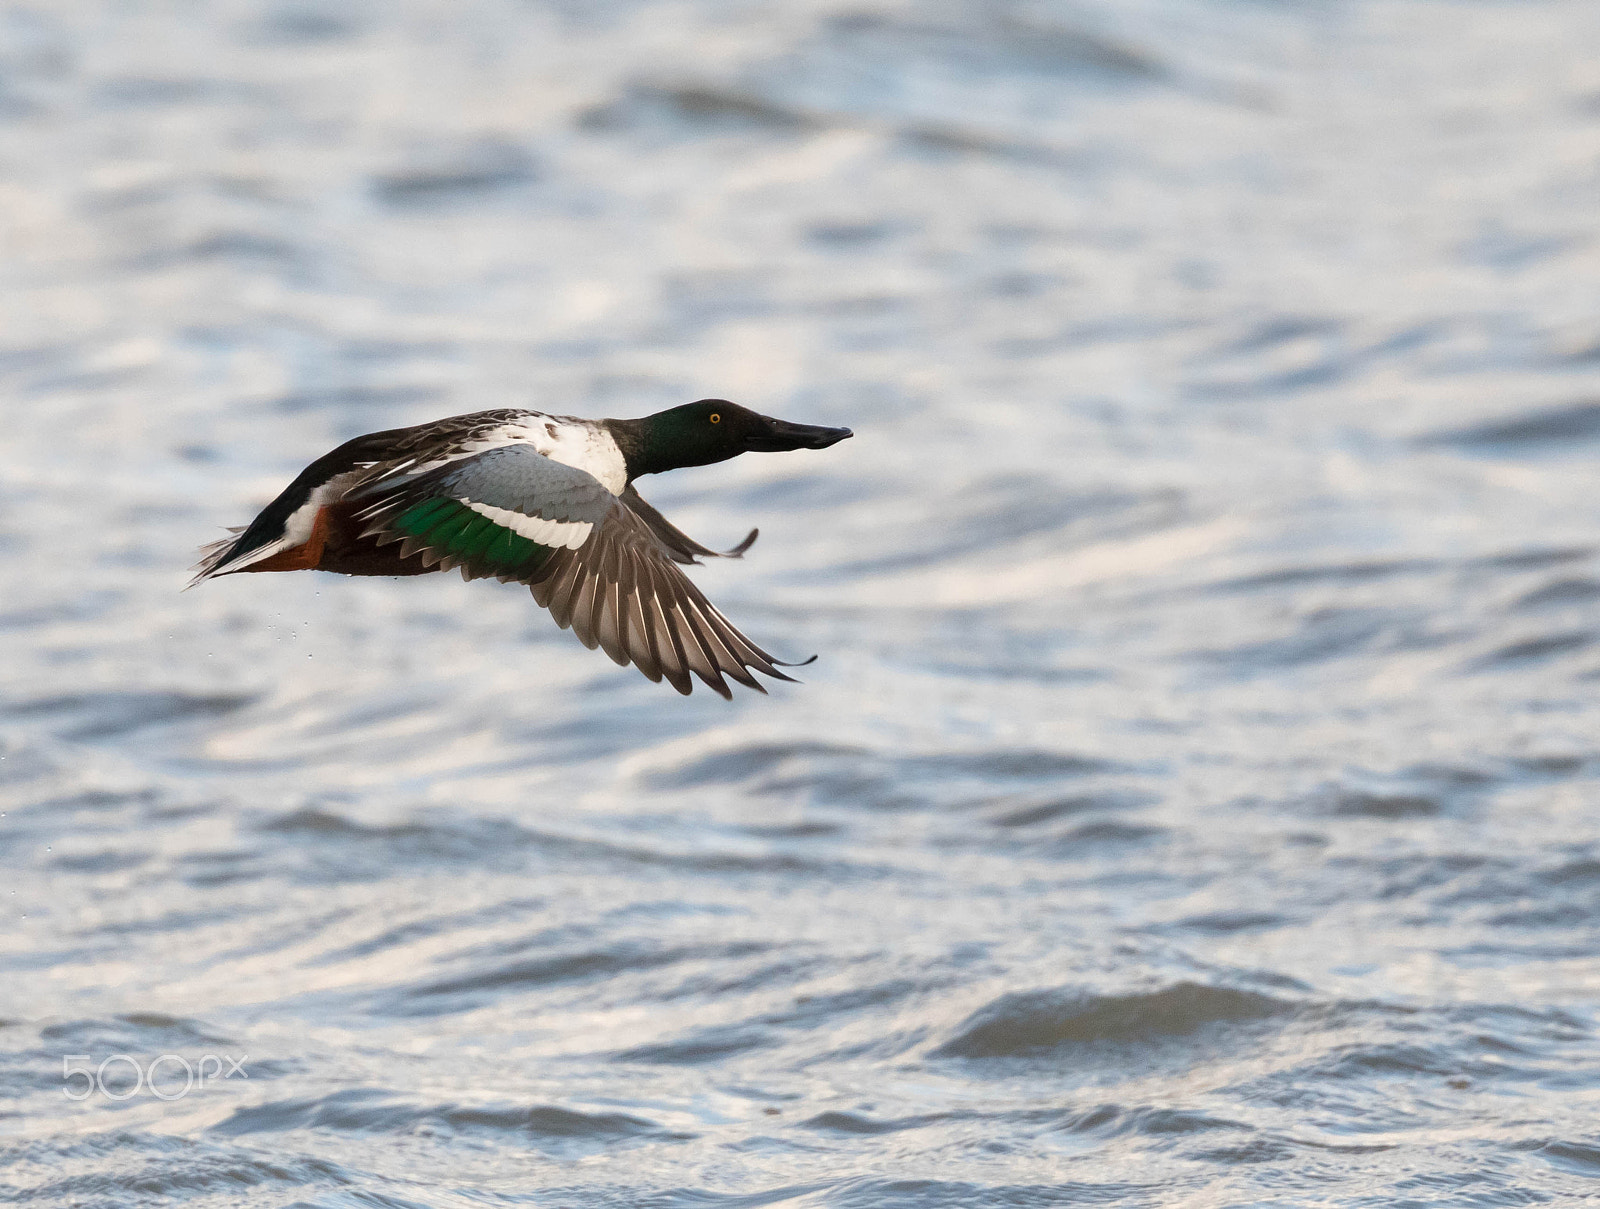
(710, 430)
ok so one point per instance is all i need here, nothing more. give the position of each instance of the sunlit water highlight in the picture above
(1195, 799)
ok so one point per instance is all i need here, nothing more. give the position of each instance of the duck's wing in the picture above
(598, 565)
(376, 456)
(623, 592)
(681, 548)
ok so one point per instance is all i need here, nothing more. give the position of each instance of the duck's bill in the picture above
(777, 436)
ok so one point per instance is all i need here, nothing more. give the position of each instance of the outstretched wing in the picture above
(622, 592)
(499, 513)
(681, 548)
(387, 456)
(599, 566)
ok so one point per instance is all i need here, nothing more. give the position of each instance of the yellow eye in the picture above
(715, 418)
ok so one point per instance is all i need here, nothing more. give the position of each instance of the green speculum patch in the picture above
(454, 529)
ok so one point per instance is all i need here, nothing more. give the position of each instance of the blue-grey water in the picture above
(1197, 798)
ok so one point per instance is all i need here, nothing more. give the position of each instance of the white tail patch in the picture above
(296, 530)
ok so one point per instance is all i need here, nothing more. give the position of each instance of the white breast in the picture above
(577, 445)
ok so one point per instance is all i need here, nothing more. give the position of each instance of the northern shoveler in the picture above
(543, 500)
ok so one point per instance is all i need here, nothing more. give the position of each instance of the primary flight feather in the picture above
(539, 499)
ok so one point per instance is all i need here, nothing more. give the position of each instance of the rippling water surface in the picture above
(1197, 799)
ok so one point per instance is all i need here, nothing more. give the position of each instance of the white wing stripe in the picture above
(562, 534)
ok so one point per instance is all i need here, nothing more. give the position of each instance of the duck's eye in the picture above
(715, 418)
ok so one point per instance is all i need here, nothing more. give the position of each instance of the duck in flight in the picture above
(543, 500)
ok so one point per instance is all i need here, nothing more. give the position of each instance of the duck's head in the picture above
(711, 430)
